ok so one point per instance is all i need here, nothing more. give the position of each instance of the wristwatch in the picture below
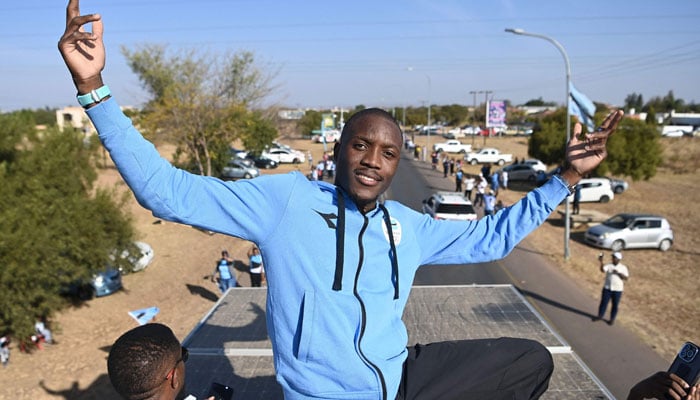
(95, 96)
(571, 188)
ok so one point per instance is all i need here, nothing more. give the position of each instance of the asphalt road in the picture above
(615, 355)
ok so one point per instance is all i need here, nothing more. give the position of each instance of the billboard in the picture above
(327, 121)
(496, 116)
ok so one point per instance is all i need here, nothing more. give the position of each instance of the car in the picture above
(449, 205)
(262, 162)
(618, 185)
(239, 153)
(239, 168)
(106, 282)
(138, 257)
(331, 135)
(520, 172)
(594, 190)
(631, 231)
(535, 163)
(102, 283)
(284, 155)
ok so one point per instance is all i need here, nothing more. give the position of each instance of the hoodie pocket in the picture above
(305, 324)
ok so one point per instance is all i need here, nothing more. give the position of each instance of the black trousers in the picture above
(255, 280)
(505, 368)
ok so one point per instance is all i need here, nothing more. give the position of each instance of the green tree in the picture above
(55, 227)
(634, 101)
(634, 150)
(310, 122)
(539, 102)
(201, 102)
(549, 138)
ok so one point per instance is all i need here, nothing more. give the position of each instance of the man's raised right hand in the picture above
(82, 51)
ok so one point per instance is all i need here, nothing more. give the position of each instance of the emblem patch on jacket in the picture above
(395, 229)
(328, 218)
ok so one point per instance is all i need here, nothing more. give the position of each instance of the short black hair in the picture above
(350, 124)
(138, 358)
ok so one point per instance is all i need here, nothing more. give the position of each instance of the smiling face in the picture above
(367, 156)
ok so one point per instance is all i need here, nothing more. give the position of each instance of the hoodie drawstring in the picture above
(394, 256)
(340, 245)
(339, 242)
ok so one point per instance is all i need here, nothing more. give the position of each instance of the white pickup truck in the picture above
(452, 146)
(488, 155)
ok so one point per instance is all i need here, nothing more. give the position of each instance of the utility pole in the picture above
(474, 92)
(486, 112)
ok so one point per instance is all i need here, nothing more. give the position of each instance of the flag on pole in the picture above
(582, 107)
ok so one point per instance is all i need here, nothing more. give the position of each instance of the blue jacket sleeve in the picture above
(249, 209)
(489, 238)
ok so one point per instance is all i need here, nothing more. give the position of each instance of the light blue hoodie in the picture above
(335, 327)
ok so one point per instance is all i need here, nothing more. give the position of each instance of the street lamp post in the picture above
(567, 222)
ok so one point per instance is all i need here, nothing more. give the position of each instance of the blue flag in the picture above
(144, 315)
(582, 107)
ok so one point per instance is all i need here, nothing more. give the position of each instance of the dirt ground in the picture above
(660, 303)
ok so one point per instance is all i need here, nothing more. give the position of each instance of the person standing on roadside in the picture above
(577, 200)
(489, 203)
(459, 175)
(339, 259)
(469, 186)
(615, 276)
(223, 268)
(4, 350)
(255, 267)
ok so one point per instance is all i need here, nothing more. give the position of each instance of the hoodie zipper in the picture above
(362, 309)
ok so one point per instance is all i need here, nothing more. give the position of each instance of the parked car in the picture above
(449, 205)
(262, 162)
(239, 153)
(535, 163)
(594, 190)
(239, 168)
(137, 257)
(102, 283)
(631, 231)
(618, 185)
(285, 155)
(520, 172)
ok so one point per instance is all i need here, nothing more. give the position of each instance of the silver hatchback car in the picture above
(631, 231)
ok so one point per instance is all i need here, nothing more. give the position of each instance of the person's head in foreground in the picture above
(148, 362)
(367, 156)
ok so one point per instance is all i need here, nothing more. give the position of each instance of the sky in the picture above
(386, 53)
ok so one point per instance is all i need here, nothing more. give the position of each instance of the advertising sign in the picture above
(497, 114)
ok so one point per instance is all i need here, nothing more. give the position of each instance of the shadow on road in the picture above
(554, 303)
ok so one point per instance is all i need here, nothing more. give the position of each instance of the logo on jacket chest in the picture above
(330, 218)
(395, 230)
